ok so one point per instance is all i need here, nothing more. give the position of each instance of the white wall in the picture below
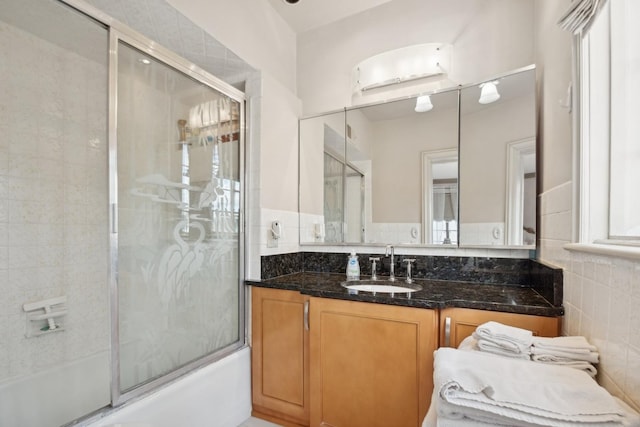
(488, 37)
(601, 292)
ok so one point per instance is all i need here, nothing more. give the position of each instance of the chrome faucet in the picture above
(409, 261)
(389, 252)
(374, 275)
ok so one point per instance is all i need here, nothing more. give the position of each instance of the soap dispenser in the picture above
(353, 267)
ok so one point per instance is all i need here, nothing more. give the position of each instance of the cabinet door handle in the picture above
(306, 315)
(447, 331)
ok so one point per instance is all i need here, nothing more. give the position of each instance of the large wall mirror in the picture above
(438, 170)
(498, 162)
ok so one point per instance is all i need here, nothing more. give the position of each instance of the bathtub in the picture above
(218, 395)
(215, 395)
(56, 396)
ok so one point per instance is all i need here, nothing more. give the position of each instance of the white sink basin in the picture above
(381, 286)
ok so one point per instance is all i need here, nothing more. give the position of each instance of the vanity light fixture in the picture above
(409, 64)
(423, 104)
(489, 92)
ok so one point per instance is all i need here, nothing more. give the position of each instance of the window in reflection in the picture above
(445, 212)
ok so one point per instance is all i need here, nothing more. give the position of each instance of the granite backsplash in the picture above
(544, 279)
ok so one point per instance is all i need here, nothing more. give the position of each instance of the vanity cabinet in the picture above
(280, 356)
(322, 361)
(458, 323)
(371, 364)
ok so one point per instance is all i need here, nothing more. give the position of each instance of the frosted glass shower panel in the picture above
(178, 170)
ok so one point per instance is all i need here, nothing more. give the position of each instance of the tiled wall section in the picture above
(53, 193)
(601, 296)
(556, 224)
(288, 240)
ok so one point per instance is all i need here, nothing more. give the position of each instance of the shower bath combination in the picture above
(125, 196)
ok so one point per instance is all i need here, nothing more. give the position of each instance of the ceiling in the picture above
(309, 14)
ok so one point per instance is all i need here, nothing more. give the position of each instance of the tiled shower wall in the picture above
(53, 193)
(601, 296)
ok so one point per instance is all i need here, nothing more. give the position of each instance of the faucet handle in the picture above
(373, 260)
(409, 261)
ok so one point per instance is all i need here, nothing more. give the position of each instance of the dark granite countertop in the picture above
(434, 294)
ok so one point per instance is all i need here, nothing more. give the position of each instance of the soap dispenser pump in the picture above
(353, 267)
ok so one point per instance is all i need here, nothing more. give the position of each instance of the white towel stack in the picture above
(496, 338)
(473, 388)
(504, 340)
(573, 351)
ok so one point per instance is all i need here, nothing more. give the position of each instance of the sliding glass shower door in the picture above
(178, 219)
(120, 214)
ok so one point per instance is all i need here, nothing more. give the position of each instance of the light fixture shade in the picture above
(489, 93)
(403, 65)
(423, 104)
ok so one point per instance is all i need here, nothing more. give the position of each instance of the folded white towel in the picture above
(469, 344)
(578, 344)
(514, 339)
(433, 420)
(575, 364)
(491, 347)
(483, 387)
(631, 419)
(551, 355)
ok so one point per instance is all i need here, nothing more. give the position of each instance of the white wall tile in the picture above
(43, 232)
(606, 314)
(597, 300)
(288, 241)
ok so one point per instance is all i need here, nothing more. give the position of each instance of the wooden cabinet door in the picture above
(280, 356)
(371, 364)
(458, 323)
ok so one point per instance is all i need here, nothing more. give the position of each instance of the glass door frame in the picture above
(176, 62)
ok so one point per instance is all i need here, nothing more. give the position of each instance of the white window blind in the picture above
(580, 15)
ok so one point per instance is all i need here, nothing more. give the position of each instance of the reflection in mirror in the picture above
(321, 200)
(396, 169)
(354, 205)
(440, 195)
(333, 198)
(497, 152)
(386, 143)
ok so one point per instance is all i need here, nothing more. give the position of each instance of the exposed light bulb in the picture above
(423, 104)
